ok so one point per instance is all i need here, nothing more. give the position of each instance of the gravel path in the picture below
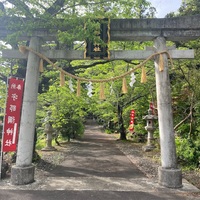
(56, 165)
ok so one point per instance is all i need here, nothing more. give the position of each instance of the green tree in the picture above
(29, 15)
(67, 110)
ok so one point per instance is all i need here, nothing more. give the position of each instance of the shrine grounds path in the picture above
(93, 168)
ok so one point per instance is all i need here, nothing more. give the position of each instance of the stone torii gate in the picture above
(157, 30)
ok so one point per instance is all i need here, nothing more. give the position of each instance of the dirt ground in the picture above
(147, 162)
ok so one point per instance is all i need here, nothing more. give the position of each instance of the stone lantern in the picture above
(150, 118)
(48, 129)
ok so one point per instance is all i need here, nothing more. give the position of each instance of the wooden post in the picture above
(23, 171)
(169, 175)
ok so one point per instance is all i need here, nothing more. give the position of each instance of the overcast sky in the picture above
(164, 7)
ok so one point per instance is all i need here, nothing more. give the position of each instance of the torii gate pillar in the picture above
(169, 175)
(23, 172)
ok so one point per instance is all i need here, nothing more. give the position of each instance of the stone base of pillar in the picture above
(49, 149)
(22, 175)
(148, 148)
(171, 178)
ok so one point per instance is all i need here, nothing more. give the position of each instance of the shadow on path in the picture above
(96, 154)
(93, 168)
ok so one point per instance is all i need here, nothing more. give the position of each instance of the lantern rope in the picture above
(23, 49)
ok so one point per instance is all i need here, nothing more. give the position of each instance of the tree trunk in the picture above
(122, 130)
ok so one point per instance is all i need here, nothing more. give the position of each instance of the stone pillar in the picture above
(169, 175)
(23, 172)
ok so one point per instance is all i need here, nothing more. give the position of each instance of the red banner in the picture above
(151, 106)
(132, 118)
(12, 115)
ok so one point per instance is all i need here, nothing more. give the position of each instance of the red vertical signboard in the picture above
(151, 106)
(132, 118)
(12, 114)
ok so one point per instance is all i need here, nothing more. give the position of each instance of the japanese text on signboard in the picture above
(12, 114)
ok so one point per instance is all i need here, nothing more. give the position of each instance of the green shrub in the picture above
(40, 144)
(188, 151)
(72, 129)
